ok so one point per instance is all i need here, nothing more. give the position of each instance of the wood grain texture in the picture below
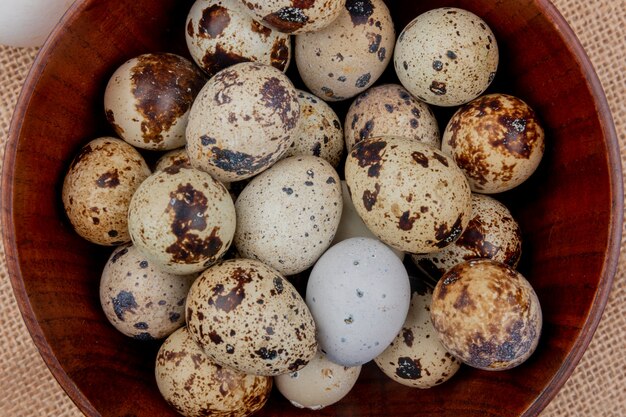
(570, 211)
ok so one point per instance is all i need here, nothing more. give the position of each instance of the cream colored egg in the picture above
(245, 315)
(28, 23)
(182, 219)
(220, 34)
(195, 386)
(497, 141)
(389, 110)
(147, 100)
(177, 157)
(98, 187)
(288, 216)
(243, 121)
(446, 56)
(410, 195)
(347, 57)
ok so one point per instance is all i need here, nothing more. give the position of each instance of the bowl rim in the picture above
(572, 358)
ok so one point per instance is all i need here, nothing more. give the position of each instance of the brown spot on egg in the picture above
(287, 19)
(109, 179)
(276, 96)
(445, 236)
(111, 119)
(190, 31)
(360, 11)
(215, 338)
(239, 162)
(442, 159)
(220, 58)
(229, 301)
(374, 41)
(363, 80)
(82, 154)
(213, 22)
(366, 131)
(516, 139)
(473, 239)
(438, 88)
(279, 56)
(464, 300)
(420, 159)
(297, 364)
(408, 337)
(369, 153)
(409, 368)
(260, 29)
(369, 198)
(406, 221)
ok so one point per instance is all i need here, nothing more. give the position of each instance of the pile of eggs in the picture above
(249, 196)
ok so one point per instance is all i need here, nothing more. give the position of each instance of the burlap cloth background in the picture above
(596, 389)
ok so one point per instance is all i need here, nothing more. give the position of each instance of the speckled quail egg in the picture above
(410, 195)
(98, 187)
(177, 157)
(348, 56)
(486, 314)
(492, 233)
(446, 56)
(294, 16)
(287, 216)
(139, 299)
(389, 110)
(182, 219)
(319, 384)
(320, 132)
(195, 386)
(496, 140)
(220, 34)
(245, 315)
(147, 100)
(243, 121)
(416, 357)
(359, 294)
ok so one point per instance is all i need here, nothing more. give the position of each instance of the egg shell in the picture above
(319, 384)
(182, 219)
(148, 98)
(390, 110)
(320, 132)
(245, 315)
(291, 16)
(195, 386)
(410, 195)
(416, 358)
(177, 157)
(288, 216)
(345, 58)
(98, 187)
(139, 299)
(242, 121)
(28, 23)
(446, 56)
(219, 33)
(497, 141)
(359, 294)
(487, 315)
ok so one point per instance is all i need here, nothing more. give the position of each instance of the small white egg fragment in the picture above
(220, 34)
(245, 315)
(182, 219)
(177, 157)
(139, 299)
(410, 195)
(195, 386)
(497, 141)
(390, 110)
(294, 16)
(98, 187)
(319, 384)
(288, 216)
(243, 121)
(320, 133)
(348, 56)
(492, 233)
(28, 23)
(359, 295)
(416, 357)
(147, 100)
(487, 315)
(446, 56)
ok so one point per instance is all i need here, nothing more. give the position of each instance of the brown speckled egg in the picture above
(492, 233)
(195, 386)
(147, 100)
(291, 16)
(389, 110)
(496, 140)
(348, 56)
(319, 384)
(288, 216)
(416, 357)
(245, 315)
(220, 34)
(98, 187)
(182, 219)
(177, 157)
(320, 133)
(243, 121)
(446, 56)
(409, 194)
(486, 314)
(139, 299)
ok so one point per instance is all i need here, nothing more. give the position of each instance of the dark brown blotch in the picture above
(420, 159)
(287, 19)
(111, 119)
(409, 368)
(229, 301)
(369, 197)
(216, 60)
(369, 152)
(260, 29)
(360, 11)
(275, 96)
(408, 337)
(213, 22)
(438, 88)
(109, 179)
(279, 56)
(447, 235)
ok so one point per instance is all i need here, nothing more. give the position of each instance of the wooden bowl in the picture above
(570, 212)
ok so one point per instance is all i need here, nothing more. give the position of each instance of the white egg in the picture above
(29, 22)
